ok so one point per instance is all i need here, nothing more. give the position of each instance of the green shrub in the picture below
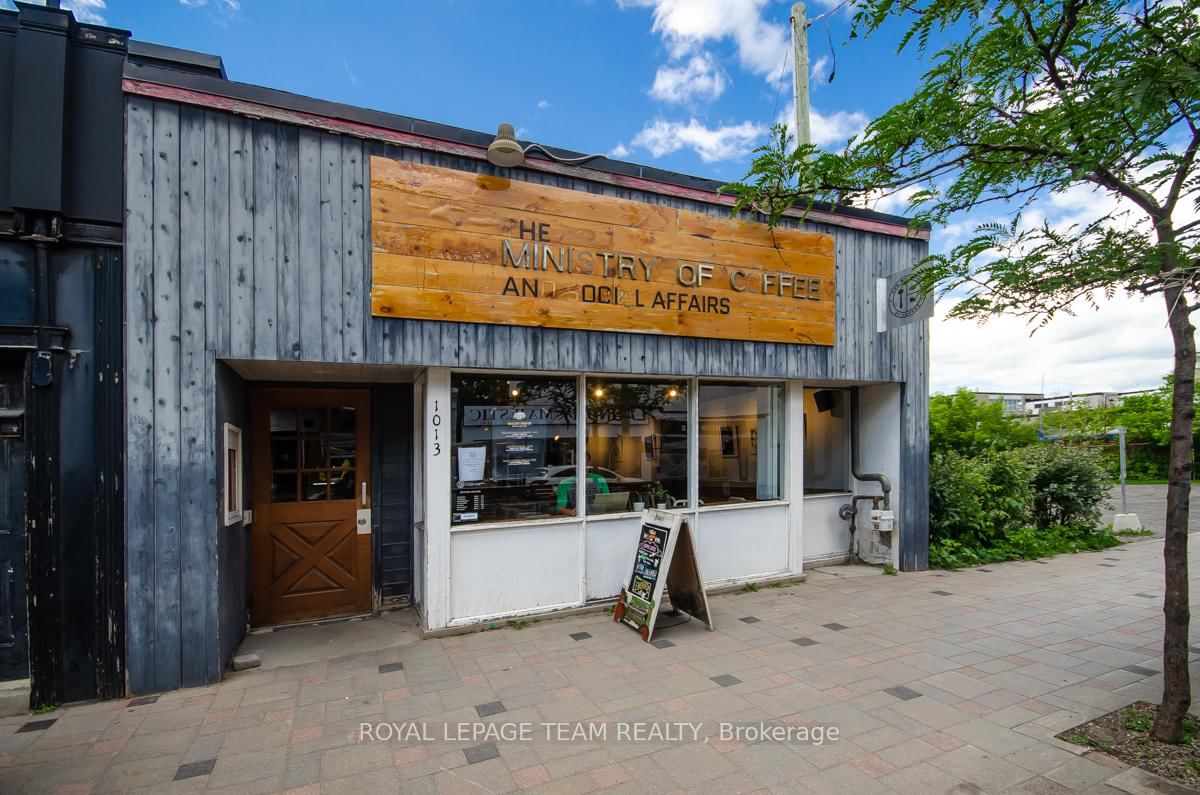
(957, 490)
(1011, 495)
(1069, 485)
(1023, 544)
(1024, 503)
(978, 500)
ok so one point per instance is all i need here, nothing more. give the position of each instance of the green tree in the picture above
(1024, 99)
(962, 424)
(1146, 418)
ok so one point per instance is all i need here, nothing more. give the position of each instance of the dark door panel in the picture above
(14, 623)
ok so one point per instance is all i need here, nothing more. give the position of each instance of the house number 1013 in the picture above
(436, 421)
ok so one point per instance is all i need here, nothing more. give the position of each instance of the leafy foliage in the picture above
(962, 424)
(1024, 544)
(977, 500)
(1147, 422)
(1031, 99)
(1021, 503)
(1069, 484)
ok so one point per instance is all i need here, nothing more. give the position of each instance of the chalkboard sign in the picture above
(652, 543)
(664, 561)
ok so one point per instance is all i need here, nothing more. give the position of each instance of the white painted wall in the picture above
(513, 570)
(436, 430)
(879, 451)
(826, 537)
(742, 543)
(609, 550)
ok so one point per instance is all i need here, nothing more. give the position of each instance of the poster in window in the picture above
(728, 442)
(471, 462)
(232, 492)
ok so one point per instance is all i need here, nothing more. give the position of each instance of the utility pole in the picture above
(800, 72)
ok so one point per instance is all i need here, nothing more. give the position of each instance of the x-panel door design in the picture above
(310, 462)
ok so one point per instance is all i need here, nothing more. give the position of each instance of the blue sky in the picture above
(687, 85)
(590, 75)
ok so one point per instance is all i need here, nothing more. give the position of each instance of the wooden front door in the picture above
(310, 461)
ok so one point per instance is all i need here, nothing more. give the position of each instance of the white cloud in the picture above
(818, 71)
(836, 128)
(88, 11)
(698, 78)
(712, 144)
(619, 151)
(1123, 346)
(1086, 352)
(543, 104)
(831, 130)
(687, 25)
(895, 203)
(351, 75)
(228, 6)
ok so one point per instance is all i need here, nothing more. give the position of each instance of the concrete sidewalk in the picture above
(935, 682)
(1149, 502)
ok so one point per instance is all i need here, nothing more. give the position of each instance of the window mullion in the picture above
(693, 442)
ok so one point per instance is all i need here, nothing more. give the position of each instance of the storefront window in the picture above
(826, 441)
(636, 445)
(513, 447)
(740, 442)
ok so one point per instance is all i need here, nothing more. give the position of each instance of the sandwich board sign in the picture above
(665, 561)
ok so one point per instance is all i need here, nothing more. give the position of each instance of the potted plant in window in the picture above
(661, 495)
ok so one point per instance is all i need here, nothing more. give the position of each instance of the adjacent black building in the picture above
(62, 605)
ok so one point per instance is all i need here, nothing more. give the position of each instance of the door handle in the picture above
(364, 494)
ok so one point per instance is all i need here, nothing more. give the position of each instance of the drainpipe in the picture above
(849, 511)
(878, 477)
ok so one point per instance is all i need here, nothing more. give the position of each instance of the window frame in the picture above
(512, 375)
(688, 384)
(849, 452)
(785, 463)
(234, 480)
(693, 384)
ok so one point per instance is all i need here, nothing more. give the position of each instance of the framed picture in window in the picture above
(231, 495)
(728, 442)
(648, 443)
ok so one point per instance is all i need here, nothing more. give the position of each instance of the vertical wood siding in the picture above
(250, 239)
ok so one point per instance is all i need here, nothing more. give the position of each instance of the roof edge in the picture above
(159, 82)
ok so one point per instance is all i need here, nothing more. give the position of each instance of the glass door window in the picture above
(313, 454)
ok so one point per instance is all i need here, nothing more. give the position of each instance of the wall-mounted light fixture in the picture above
(504, 151)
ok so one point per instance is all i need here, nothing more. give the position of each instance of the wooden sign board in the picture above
(456, 246)
(665, 561)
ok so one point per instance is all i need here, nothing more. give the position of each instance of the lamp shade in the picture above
(504, 151)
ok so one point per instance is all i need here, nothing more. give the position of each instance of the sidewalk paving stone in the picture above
(935, 681)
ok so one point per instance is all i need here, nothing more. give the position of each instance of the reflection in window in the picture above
(313, 454)
(740, 442)
(636, 445)
(513, 448)
(826, 441)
